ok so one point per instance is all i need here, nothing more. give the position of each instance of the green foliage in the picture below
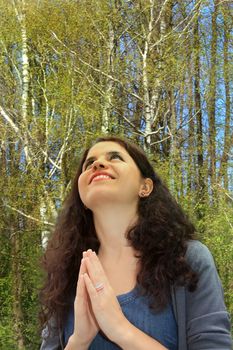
(218, 237)
(87, 61)
(7, 339)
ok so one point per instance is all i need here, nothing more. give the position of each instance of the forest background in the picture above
(156, 71)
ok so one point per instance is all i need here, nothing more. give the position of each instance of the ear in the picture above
(146, 188)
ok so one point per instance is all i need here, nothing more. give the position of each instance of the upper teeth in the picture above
(102, 177)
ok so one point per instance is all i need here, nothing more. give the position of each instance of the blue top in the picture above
(159, 325)
(202, 319)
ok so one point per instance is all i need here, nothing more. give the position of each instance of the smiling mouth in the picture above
(101, 177)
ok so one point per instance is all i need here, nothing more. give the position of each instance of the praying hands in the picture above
(96, 306)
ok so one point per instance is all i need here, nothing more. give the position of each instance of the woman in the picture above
(123, 268)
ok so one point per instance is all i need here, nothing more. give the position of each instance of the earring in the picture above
(142, 194)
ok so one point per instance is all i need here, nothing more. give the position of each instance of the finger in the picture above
(95, 274)
(96, 260)
(80, 290)
(83, 267)
(90, 288)
(80, 302)
(94, 268)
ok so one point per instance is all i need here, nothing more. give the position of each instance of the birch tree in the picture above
(71, 71)
(228, 132)
(212, 98)
(198, 114)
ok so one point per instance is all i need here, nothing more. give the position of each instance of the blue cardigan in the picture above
(202, 319)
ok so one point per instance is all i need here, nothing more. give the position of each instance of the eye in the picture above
(88, 164)
(115, 156)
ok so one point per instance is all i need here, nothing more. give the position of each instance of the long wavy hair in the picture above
(160, 236)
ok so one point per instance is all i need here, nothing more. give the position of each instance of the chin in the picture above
(100, 199)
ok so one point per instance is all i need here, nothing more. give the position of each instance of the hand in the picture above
(105, 306)
(85, 325)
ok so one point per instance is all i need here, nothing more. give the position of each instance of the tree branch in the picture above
(29, 216)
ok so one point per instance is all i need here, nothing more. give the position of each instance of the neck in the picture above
(112, 224)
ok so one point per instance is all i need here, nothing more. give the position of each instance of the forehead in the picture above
(105, 147)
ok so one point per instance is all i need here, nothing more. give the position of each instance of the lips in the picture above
(101, 175)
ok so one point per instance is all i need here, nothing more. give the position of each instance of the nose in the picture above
(98, 164)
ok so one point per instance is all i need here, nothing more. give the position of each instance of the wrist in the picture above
(132, 338)
(123, 334)
(75, 344)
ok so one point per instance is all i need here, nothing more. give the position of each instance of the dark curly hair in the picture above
(160, 236)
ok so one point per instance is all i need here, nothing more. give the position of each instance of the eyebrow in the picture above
(110, 153)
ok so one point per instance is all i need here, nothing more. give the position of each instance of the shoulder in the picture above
(201, 261)
(198, 255)
(207, 320)
(197, 249)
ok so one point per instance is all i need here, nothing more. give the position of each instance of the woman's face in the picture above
(109, 175)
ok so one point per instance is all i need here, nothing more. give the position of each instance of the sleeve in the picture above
(207, 320)
(51, 338)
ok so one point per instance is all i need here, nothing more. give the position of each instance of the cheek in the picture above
(81, 185)
(134, 177)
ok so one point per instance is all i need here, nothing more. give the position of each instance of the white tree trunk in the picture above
(148, 110)
(20, 14)
(109, 82)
